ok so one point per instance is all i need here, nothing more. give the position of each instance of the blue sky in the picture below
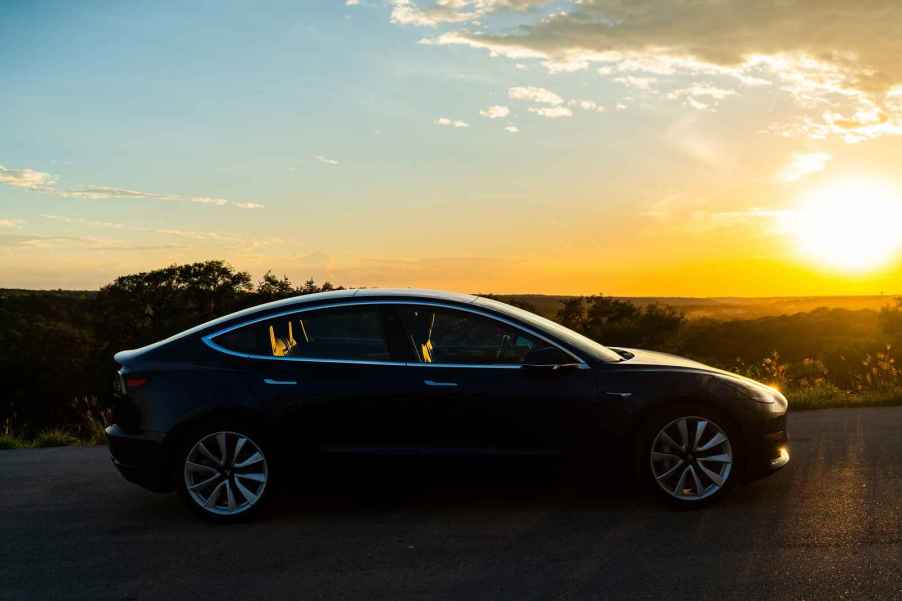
(319, 139)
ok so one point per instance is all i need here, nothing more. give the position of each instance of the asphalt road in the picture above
(826, 527)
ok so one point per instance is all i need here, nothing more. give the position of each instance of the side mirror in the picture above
(547, 358)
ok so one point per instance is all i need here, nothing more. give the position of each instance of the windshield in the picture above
(579, 342)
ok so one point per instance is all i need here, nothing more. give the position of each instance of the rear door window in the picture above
(352, 333)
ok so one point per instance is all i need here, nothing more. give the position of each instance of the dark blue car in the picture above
(210, 411)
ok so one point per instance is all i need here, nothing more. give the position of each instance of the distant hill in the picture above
(548, 304)
(722, 307)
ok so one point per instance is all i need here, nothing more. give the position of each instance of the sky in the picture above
(624, 147)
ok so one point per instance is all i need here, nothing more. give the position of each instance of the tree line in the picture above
(56, 348)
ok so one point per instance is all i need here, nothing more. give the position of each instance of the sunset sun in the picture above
(851, 225)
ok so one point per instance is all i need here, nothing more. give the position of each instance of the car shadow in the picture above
(361, 485)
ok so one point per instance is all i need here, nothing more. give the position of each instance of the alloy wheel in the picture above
(691, 458)
(226, 473)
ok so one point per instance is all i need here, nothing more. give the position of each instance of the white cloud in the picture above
(352, 2)
(803, 165)
(495, 112)
(446, 122)
(640, 83)
(39, 181)
(432, 14)
(554, 112)
(26, 178)
(831, 67)
(587, 105)
(326, 160)
(248, 205)
(104, 192)
(534, 94)
(209, 200)
(513, 129)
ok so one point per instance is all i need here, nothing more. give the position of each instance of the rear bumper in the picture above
(140, 458)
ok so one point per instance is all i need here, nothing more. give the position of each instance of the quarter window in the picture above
(447, 336)
(353, 333)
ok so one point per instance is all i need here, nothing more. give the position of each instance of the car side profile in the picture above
(212, 411)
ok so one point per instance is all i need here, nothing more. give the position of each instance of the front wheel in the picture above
(690, 456)
(225, 473)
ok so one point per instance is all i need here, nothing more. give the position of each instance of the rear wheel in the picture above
(690, 455)
(224, 472)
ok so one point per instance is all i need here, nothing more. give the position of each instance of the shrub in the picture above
(54, 438)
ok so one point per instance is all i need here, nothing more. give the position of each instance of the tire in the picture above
(228, 486)
(683, 468)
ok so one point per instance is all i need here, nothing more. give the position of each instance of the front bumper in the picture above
(140, 458)
(770, 450)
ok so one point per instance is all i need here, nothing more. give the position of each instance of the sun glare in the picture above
(852, 225)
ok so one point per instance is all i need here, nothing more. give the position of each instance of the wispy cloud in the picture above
(803, 165)
(27, 178)
(495, 112)
(446, 122)
(513, 129)
(844, 74)
(326, 160)
(552, 112)
(586, 105)
(39, 181)
(534, 94)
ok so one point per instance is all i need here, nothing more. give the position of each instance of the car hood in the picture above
(642, 359)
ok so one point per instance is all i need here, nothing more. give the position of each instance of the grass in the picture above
(830, 397)
(46, 439)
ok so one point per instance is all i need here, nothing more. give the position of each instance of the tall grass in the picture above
(876, 381)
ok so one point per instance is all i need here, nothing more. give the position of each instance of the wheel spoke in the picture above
(675, 467)
(699, 431)
(678, 490)
(699, 491)
(256, 477)
(200, 467)
(723, 458)
(657, 456)
(223, 449)
(684, 434)
(717, 439)
(230, 497)
(670, 441)
(714, 476)
(204, 483)
(202, 448)
(245, 492)
(239, 444)
(255, 458)
(214, 496)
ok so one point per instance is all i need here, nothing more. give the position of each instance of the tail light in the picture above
(133, 382)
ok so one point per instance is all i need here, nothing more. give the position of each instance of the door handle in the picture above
(440, 384)
(280, 382)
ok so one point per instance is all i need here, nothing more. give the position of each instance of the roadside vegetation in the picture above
(56, 347)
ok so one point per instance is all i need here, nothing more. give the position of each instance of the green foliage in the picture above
(8, 441)
(54, 438)
(56, 347)
(620, 323)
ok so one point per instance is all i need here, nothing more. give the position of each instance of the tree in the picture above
(572, 313)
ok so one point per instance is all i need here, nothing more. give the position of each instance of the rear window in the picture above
(353, 333)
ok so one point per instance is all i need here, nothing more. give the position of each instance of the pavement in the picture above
(826, 527)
